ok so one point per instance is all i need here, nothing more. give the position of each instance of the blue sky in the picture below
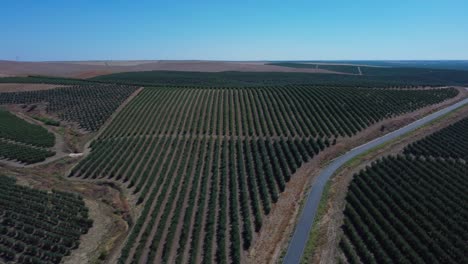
(234, 30)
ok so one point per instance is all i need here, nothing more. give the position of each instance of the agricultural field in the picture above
(207, 165)
(349, 69)
(89, 106)
(16, 129)
(42, 80)
(427, 64)
(22, 141)
(411, 208)
(38, 226)
(234, 132)
(381, 77)
(451, 142)
(302, 111)
(23, 87)
(372, 77)
(378, 70)
(201, 167)
(23, 153)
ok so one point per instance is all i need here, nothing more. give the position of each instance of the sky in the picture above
(233, 30)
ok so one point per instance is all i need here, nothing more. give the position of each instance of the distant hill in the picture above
(432, 64)
(88, 69)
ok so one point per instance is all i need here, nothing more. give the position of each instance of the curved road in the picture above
(304, 225)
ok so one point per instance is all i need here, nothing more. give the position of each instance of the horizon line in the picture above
(263, 60)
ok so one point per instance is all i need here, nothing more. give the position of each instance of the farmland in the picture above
(23, 153)
(22, 141)
(22, 87)
(372, 77)
(41, 80)
(290, 111)
(234, 132)
(15, 129)
(411, 208)
(38, 226)
(350, 69)
(436, 144)
(201, 167)
(89, 106)
(206, 165)
(344, 76)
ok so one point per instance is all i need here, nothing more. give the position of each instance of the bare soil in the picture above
(329, 227)
(107, 207)
(23, 87)
(91, 240)
(92, 69)
(67, 140)
(74, 137)
(277, 228)
(108, 202)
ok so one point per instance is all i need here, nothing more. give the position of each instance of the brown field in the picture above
(88, 69)
(23, 87)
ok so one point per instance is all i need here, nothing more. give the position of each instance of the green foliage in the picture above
(407, 210)
(22, 141)
(45, 79)
(450, 142)
(373, 77)
(47, 121)
(16, 129)
(207, 165)
(37, 226)
(223, 207)
(23, 153)
(305, 111)
(87, 105)
(331, 67)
